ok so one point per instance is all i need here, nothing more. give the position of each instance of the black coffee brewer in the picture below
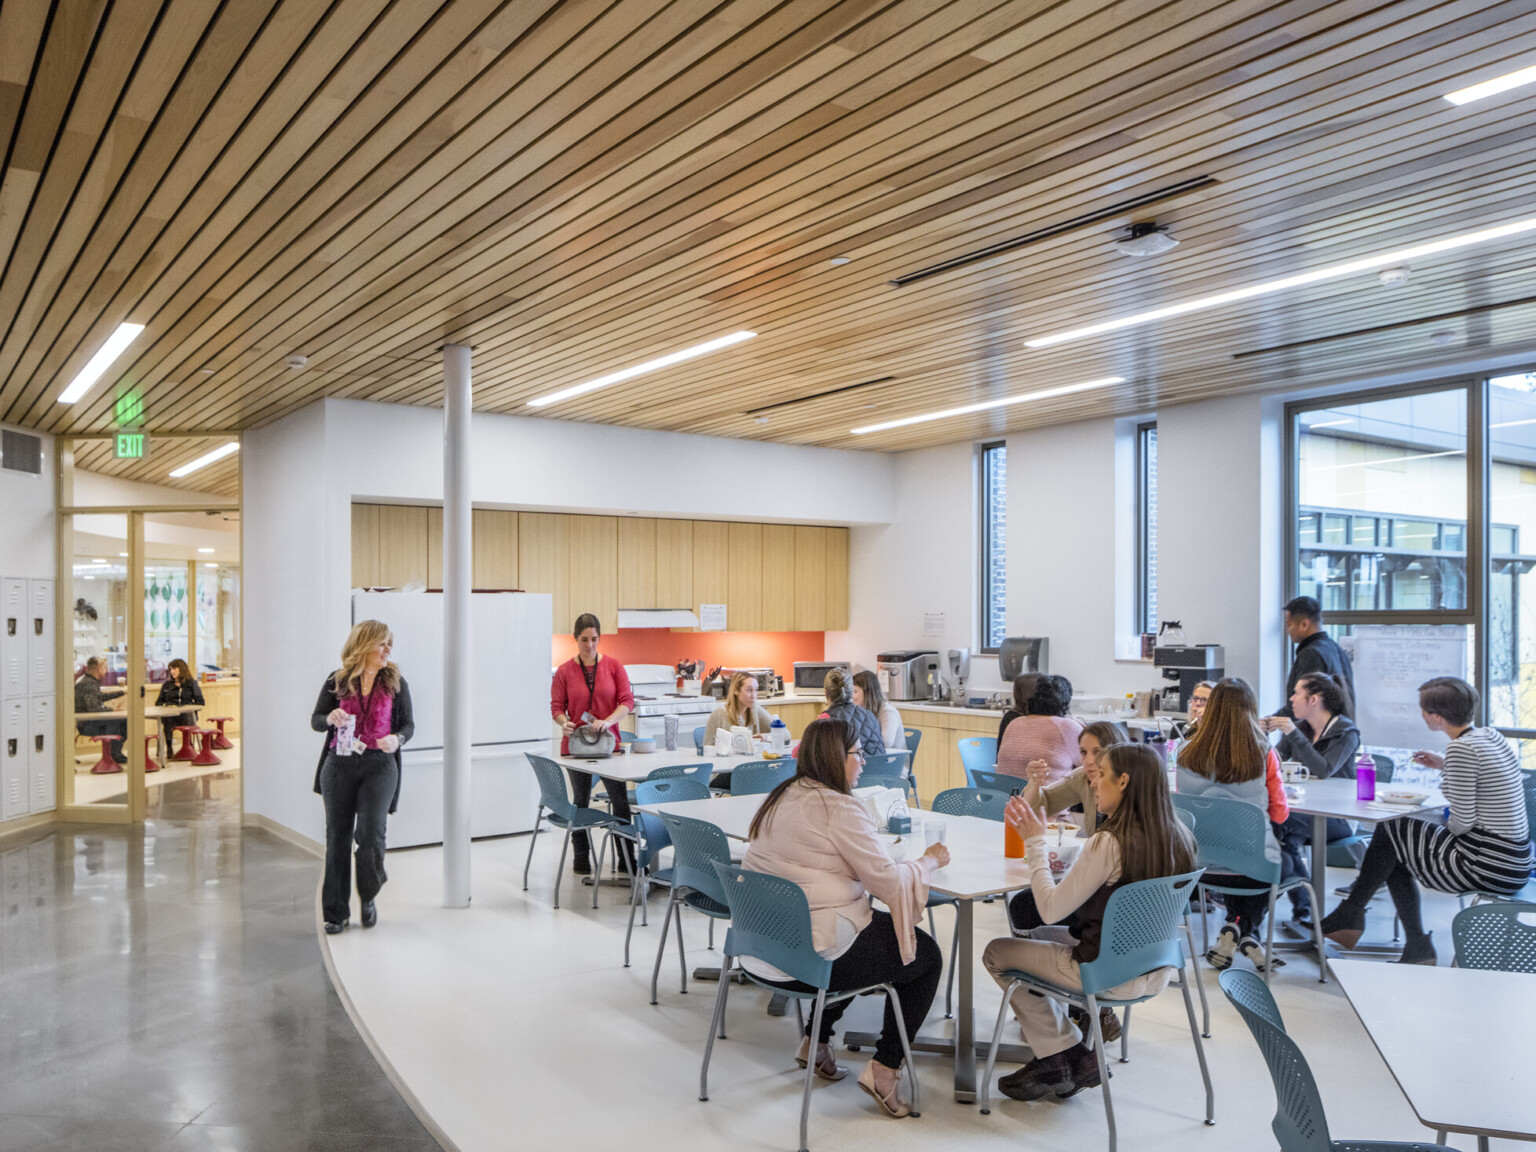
(1185, 665)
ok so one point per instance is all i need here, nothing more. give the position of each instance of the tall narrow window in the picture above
(1146, 528)
(994, 545)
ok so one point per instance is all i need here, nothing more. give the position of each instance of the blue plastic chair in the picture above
(1140, 934)
(771, 922)
(1526, 895)
(555, 805)
(699, 772)
(626, 737)
(977, 753)
(1300, 1124)
(698, 740)
(1231, 838)
(913, 737)
(1492, 937)
(653, 838)
(980, 802)
(696, 846)
(757, 777)
(1187, 819)
(1002, 782)
(888, 771)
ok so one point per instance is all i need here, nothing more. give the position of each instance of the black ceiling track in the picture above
(1106, 213)
(1384, 327)
(819, 395)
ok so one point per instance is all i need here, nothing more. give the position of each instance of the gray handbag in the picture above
(592, 742)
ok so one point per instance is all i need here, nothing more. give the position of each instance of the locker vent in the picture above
(20, 452)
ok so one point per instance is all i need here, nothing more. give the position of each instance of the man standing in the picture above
(88, 698)
(1316, 651)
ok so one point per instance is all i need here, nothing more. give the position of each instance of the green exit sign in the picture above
(131, 445)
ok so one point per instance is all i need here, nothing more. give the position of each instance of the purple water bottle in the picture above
(1365, 778)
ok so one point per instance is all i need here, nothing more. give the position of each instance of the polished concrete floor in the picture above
(160, 988)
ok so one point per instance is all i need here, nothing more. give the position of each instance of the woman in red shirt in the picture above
(590, 683)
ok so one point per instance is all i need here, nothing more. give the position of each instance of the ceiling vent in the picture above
(21, 453)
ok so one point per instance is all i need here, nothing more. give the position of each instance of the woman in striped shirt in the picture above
(1483, 847)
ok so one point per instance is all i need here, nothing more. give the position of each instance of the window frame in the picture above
(1143, 623)
(984, 517)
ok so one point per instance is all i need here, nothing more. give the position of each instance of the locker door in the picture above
(40, 638)
(13, 636)
(13, 759)
(41, 769)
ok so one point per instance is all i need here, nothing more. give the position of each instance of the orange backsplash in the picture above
(776, 650)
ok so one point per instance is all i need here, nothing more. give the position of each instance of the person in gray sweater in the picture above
(838, 687)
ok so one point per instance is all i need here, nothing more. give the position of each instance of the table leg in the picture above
(1320, 862)
(965, 1019)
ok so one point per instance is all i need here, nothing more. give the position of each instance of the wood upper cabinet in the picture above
(711, 566)
(365, 545)
(495, 549)
(835, 607)
(674, 564)
(637, 554)
(778, 578)
(544, 560)
(402, 545)
(810, 578)
(435, 547)
(744, 601)
(594, 567)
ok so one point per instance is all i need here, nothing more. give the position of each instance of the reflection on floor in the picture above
(512, 1013)
(112, 789)
(160, 989)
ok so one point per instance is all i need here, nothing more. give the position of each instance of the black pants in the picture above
(169, 724)
(1381, 866)
(357, 791)
(618, 800)
(118, 728)
(875, 958)
(1295, 835)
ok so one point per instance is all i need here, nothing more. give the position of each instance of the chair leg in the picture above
(1125, 1036)
(949, 981)
(1205, 1072)
(682, 957)
(1440, 1135)
(1098, 1053)
(810, 1070)
(1194, 961)
(1317, 935)
(1269, 934)
(1205, 920)
(711, 933)
(560, 868)
(799, 1016)
(997, 1038)
(597, 873)
(906, 1046)
(725, 984)
(661, 945)
(532, 840)
(717, 1021)
(634, 897)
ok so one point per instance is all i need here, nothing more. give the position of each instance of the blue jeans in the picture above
(1295, 836)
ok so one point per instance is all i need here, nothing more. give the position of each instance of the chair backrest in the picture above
(1528, 782)
(1384, 768)
(696, 846)
(1186, 818)
(1232, 836)
(665, 791)
(1300, 1124)
(552, 793)
(980, 802)
(626, 737)
(1248, 990)
(698, 740)
(771, 922)
(1141, 931)
(914, 737)
(759, 776)
(998, 782)
(653, 837)
(888, 764)
(1494, 937)
(699, 772)
(978, 752)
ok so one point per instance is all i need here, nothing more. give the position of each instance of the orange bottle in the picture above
(1013, 843)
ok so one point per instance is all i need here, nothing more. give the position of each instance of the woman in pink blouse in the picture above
(595, 685)
(1037, 727)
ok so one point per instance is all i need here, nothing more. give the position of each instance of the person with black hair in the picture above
(1037, 728)
(1316, 651)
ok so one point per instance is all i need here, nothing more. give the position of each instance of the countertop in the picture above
(769, 703)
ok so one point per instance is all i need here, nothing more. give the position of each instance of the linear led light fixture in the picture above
(641, 369)
(1493, 87)
(205, 460)
(97, 365)
(1331, 272)
(965, 410)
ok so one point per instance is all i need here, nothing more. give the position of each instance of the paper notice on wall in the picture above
(711, 617)
(933, 625)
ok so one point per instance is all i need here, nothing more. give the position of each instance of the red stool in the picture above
(220, 740)
(150, 763)
(106, 765)
(185, 751)
(205, 754)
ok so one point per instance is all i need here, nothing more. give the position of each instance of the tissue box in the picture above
(899, 825)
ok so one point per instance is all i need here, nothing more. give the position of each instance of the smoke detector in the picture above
(297, 361)
(1395, 277)
(1146, 239)
(1443, 336)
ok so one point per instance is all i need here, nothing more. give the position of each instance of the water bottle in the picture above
(778, 732)
(1365, 777)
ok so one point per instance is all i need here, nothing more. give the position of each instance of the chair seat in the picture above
(586, 819)
(1387, 1146)
(1076, 996)
(1526, 895)
(702, 903)
(806, 992)
(937, 900)
(1281, 886)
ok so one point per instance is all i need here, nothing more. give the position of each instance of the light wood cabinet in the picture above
(744, 601)
(810, 578)
(402, 545)
(637, 563)
(544, 560)
(778, 613)
(594, 567)
(674, 564)
(435, 547)
(365, 545)
(795, 716)
(835, 602)
(712, 566)
(495, 535)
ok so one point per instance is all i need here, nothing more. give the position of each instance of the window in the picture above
(994, 545)
(1146, 528)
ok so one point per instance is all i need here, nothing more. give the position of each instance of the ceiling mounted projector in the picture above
(1394, 277)
(1146, 239)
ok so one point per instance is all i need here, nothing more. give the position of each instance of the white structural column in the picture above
(457, 573)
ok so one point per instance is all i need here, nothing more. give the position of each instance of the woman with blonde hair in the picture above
(740, 709)
(365, 711)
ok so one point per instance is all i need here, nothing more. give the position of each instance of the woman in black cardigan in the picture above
(179, 690)
(359, 774)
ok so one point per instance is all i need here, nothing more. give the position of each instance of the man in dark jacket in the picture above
(88, 698)
(1316, 651)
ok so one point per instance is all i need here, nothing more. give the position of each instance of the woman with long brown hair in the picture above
(365, 711)
(1140, 839)
(739, 709)
(1230, 757)
(812, 831)
(180, 690)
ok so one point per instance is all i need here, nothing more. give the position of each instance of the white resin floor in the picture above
(510, 1024)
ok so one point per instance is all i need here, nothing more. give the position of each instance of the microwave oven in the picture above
(811, 676)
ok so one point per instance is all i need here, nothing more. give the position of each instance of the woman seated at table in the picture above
(812, 831)
(1229, 756)
(739, 709)
(1199, 697)
(1484, 846)
(838, 688)
(868, 694)
(180, 689)
(1037, 727)
(1140, 839)
(1325, 740)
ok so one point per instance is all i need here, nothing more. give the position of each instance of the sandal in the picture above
(827, 1066)
(890, 1099)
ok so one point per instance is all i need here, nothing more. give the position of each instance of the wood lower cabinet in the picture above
(937, 762)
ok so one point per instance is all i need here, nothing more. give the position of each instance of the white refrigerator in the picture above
(509, 709)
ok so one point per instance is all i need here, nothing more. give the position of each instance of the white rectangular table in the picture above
(1456, 1041)
(977, 868)
(636, 766)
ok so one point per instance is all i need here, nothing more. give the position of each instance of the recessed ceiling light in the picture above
(760, 420)
(210, 565)
(205, 371)
(1044, 394)
(98, 364)
(1493, 87)
(839, 261)
(209, 550)
(1444, 336)
(641, 369)
(124, 555)
(205, 460)
(98, 560)
(87, 577)
(1331, 272)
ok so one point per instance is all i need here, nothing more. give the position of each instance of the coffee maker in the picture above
(1186, 665)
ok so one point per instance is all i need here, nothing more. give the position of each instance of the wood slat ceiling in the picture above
(574, 187)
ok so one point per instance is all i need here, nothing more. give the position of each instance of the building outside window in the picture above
(1146, 528)
(994, 545)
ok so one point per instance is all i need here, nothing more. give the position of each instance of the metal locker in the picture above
(14, 604)
(40, 638)
(13, 759)
(41, 769)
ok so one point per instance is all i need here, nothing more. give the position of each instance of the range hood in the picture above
(656, 618)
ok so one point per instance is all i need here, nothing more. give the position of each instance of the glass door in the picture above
(94, 646)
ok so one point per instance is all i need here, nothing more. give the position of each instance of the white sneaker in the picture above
(1253, 952)
(1221, 953)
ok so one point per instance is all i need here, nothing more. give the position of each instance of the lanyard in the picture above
(590, 676)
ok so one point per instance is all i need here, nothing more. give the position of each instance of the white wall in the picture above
(27, 507)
